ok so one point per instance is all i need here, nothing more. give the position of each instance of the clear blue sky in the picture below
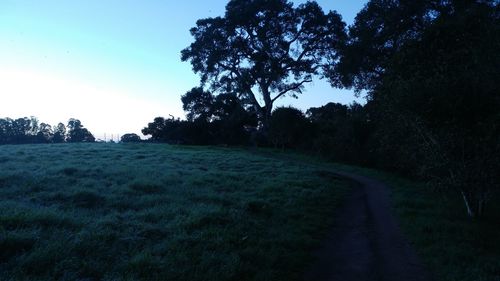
(113, 64)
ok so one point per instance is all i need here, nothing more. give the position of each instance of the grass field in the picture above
(159, 212)
(452, 247)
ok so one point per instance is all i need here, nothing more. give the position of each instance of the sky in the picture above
(113, 64)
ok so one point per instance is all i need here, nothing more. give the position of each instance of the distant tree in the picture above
(223, 117)
(176, 131)
(44, 134)
(266, 47)
(5, 130)
(329, 112)
(130, 138)
(156, 129)
(22, 130)
(59, 133)
(77, 133)
(341, 132)
(288, 127)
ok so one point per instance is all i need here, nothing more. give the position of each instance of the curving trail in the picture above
(366, 243)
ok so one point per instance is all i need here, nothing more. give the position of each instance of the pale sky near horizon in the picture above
(113, 64)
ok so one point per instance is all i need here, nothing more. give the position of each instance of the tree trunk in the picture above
(467, 202)
(267, 108)
(481, 205)
(265, 118)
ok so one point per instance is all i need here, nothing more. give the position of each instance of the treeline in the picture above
(30, 130)
(210, 120)
(429, 70)
(336, 131)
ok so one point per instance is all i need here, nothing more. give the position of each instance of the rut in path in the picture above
(366, 243)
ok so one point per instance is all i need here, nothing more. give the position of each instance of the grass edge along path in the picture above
(451, 246)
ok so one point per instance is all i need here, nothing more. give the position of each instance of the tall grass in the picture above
(159, 212)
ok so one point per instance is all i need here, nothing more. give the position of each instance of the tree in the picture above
(230, 120)
(59, 133)
(165, 130)
(44, 134)
(288, 127)
(380, 30)
(341, 132)
(264, 49)
(176, 131)
(130, 138)
(6, 131)
(22, 129)
(222, 117)
(431, 71)
(443, 89)
(77, 133)
(156, 129)
(198, 104)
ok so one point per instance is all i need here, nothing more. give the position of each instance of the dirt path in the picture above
(367, 243)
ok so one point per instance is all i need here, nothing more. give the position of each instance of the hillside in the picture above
(159, 212)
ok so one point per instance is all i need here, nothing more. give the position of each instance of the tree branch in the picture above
(292, 88)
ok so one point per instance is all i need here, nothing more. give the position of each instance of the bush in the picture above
(288, 127)
(130, 138)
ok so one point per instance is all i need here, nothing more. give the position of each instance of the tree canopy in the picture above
(29, 130)
(264, 50)
(430, 69)
(130, 137)
(380, 30)
(77, 133)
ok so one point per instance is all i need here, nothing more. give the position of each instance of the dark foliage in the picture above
(263, 49)
(341, 132)
(176, 131)
(29, 130)
(288, 127)
(431, 72)
(77, 133)
(59, 133)
(211, 119)
(442, 92)
(198, 104)
(130, 138)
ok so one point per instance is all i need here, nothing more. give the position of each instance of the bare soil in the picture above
(366, 242)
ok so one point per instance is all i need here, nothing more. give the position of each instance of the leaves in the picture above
(263, 46)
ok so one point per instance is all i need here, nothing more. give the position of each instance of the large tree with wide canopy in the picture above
(261, 50)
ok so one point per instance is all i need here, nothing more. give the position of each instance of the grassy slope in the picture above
(157, 212)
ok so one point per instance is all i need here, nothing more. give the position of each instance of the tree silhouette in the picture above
(130, 138)
(59, 133)
(44, 134)
(77, 133)
(264, 49)
(341, 132)
(288, 127)
(198, 104)
(442, 91)
(380, 30)
(431, 71)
